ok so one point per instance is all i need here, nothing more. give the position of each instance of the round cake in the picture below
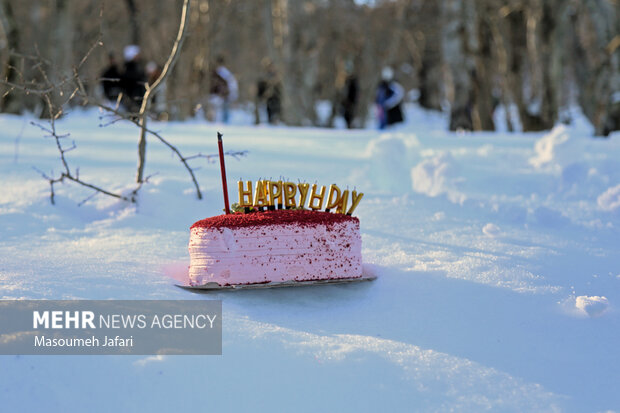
(274, 246)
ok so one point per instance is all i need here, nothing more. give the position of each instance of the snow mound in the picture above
(610, 199)
(491, 230)
(436, 176)
(593, 306)
(390, 157)
(546, 147)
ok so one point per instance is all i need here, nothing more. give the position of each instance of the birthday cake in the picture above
(274, 246)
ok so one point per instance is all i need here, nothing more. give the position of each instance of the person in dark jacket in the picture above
(349, 100)
(111, 79)
(389, 99)
(268, 92)
(133, 79)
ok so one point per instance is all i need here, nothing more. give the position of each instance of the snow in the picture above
(592, 306)
(546, 147)
(491, 230)
(610, 199)
(497, 256)
(436, 176)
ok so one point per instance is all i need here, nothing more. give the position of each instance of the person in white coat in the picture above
(223, 91)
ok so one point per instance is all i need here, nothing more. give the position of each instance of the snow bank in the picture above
(491, 230)
(436, 176)
(390, 157)
(610, 199)
(585, 166)
(463, 316)
(463, 384)
(546, 148)
(591, 306)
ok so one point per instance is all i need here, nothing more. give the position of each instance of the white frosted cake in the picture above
(274, 246)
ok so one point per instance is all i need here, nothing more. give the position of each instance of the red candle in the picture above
(223, 169)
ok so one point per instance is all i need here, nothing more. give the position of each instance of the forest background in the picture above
(537, 58)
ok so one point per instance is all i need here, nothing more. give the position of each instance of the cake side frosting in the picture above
(307, 246)
(279, 217)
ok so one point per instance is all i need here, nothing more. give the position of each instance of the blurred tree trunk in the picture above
(397, 27)
(516, 42)
(189, 81)
(496, 25)
(283, 50)
(9, 102)
(533, 35)
(303, 62)
(458, 36)
(134, 22)
(518, 52)
(430, 74)
(468, 52)
(339, 59)
(551, 51)
(369, 68)
(296, 49)
(268, 22)
(596, 44)
(61, 50)
(483, 79)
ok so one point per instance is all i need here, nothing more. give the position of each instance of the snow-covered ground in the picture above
(498, 258)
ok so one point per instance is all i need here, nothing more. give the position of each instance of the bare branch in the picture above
(88, 198)
(67, 172)
(212, 157)
(96, 188)
(150, 90)
(174, 149)
(92, 48)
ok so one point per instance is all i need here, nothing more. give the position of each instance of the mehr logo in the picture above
(63, 319)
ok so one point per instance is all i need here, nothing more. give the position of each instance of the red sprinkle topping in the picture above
(280, 216)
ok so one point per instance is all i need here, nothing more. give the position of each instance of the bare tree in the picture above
(59, 91)
(55, 100)
(150, 91)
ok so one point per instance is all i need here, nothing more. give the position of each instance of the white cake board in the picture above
(213, 286)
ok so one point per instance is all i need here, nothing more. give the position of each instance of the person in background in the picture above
(111, 79)
(350, 96)
(268, 93)
(389, 99)
(133, 79)
(153, 71)
(158, 101)
(223, 91)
